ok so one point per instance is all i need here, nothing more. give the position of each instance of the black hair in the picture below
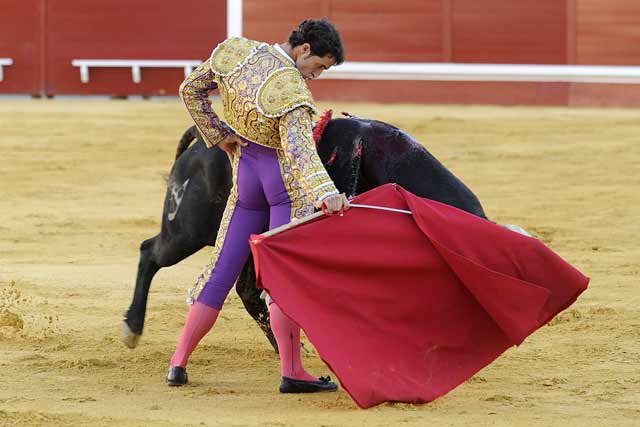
(321, 35)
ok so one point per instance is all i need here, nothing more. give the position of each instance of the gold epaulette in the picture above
(282, 91)
(232, 54)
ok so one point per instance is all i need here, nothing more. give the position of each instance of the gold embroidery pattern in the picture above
(238, 92)
(229, 209)
(282, 91)
(301, 204)
(194, 91)
(232, 54)
(239, 88)
(302, 157)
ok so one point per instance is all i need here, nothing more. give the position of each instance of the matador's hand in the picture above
(336, 202)
(230, 144)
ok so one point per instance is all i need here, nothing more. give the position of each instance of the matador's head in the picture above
(315, 46)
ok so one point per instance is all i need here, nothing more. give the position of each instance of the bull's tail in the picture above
(188, 136)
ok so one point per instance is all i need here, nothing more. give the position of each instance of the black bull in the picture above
(359, 155)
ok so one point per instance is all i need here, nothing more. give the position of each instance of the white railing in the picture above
(460, 72)
(4, 62)
(484, 72)
(403, 70)
(234, 18)
(136, 66)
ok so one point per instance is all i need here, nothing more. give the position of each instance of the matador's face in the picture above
(311, 66)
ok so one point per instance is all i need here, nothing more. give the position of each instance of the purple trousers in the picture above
(261, 196)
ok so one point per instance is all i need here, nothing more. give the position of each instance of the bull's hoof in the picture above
(128, 337)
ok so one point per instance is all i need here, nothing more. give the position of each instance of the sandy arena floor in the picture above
(82, 184)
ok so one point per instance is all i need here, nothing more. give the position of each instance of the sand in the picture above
(82, 184)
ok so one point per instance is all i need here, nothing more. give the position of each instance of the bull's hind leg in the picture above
(155, 254)
(134, 317)
(255, 306)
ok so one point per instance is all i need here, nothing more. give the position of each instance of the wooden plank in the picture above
(42, 12)
(495, 93)
(521, 32)
(447, 30)
(120, 29)
(372, 30)
(572, 31)
(20, 40)
(608, 33)
(273, 22)
(604, 95)
(379, 30)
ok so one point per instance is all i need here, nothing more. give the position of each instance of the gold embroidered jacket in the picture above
(265, 100)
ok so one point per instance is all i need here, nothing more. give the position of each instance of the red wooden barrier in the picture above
(608, 32)
(125, 29)
(44, 36)
(394, 31)
(21, 40)
(272, 22)
(519, 32)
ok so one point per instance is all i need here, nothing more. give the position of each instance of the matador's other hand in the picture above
(336, 203)
(230, 144)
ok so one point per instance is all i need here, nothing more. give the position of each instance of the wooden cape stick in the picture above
(319, 214)
(292, 224)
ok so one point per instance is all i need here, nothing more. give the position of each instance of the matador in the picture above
(277, 174)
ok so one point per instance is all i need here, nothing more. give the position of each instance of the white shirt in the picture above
(277, 47)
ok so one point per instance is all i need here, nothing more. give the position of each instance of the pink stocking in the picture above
(287, 335)
(200, 320)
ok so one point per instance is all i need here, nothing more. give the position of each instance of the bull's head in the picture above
(340, 148)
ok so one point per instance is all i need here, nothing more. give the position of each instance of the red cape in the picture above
(407, 307)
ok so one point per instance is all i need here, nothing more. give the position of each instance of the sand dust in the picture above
(82, 184)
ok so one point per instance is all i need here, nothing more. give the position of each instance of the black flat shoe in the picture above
(289, 385)
(177, 376)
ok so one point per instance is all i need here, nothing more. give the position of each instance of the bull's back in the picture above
(409, 164)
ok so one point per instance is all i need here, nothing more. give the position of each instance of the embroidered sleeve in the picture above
(297, 142)
(194, 91)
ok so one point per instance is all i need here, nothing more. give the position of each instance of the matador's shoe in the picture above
(290, 385)
(177, 376)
